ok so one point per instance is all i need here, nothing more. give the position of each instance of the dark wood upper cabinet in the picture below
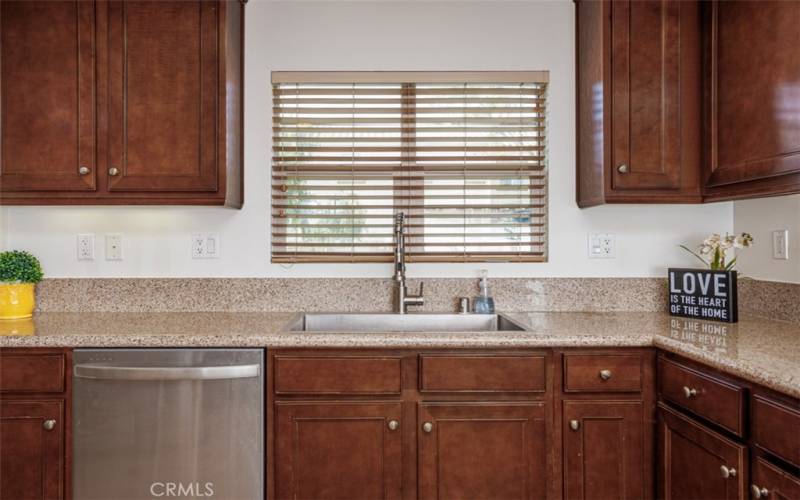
(337, 450)
(163, 84)
(752, 98)
(638, 102)
(696, 462)
(482, 450)
(167, 97)
(47, 88)
(686, 101)
(604, 450)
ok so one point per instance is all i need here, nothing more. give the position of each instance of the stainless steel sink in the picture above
(417, 322)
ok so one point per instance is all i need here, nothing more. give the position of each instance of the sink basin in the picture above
(419, 322)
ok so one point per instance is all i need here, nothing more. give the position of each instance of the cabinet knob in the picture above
(83, 170)
(394, 425)
(113, 171)
(427, 427)
(49, 424)
(574, 425)
(605, 374)
(727, 471)
(623, 169)
(759, 492)
(689, 393)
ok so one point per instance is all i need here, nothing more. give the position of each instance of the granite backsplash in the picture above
(774, 300)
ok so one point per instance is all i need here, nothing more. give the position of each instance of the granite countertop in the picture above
(757, 349)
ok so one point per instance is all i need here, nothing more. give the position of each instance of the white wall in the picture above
(760, 217)
(379, 35)
(3, 227)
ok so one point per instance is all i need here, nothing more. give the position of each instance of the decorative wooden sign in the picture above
(703, 294)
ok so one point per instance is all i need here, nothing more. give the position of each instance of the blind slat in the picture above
(349, 120)
(290, 90)
(409, 132)
(315, 150)
(398, 110)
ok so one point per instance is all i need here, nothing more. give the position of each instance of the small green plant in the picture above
(17, 266)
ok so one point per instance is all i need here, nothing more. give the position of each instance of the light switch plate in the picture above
(780, 244)
(113, 246)
(602, 246)
(86, 246)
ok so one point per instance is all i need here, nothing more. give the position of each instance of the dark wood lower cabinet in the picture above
(338, 450)
(32, 443)
(604, 450)
(769, 482)
(696, 462)
(482, 450)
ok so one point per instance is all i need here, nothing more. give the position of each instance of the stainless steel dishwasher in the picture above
(172, 423)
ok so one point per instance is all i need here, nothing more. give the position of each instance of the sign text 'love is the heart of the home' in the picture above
(703, 294)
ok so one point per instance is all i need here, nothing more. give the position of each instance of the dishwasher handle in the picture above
(103, 371)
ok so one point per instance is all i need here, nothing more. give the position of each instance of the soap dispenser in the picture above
(483, 303)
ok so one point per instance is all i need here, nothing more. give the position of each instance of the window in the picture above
(462, 154)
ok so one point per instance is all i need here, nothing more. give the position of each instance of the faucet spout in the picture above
(401, 297)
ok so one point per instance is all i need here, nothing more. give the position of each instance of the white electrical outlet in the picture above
(780, 244)
(86, 246)
(113, 246)
(205, 246)
(601, 246)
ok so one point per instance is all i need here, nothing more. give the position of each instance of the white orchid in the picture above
(716, 248)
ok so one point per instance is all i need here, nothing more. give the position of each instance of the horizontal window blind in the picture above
(465, 160)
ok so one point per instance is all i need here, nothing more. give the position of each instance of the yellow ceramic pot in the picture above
(17, 301)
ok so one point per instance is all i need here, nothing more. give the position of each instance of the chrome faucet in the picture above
(401, 297)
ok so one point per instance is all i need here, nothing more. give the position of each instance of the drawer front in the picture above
(482, 373)
(32, 372)
(772, 425)
(717, 400)
(773, 483)
(337, 375)
(602, 372)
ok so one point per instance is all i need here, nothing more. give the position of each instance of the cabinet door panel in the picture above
(691, 458)
(32, 464)
(337, 450)
(603, 449)
(482, 450)
(163, 94)
(646, 88)
(47, 129)
(755, 116)
(778, 484)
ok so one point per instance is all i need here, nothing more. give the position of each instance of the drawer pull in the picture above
(574, 425)
(727, 472)
(113, 171)
(689, 393)
(623, 169)
(49, 424)
(427, 427)
(605, 374)
(83, 170)
(759, 492)
(394, 425)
